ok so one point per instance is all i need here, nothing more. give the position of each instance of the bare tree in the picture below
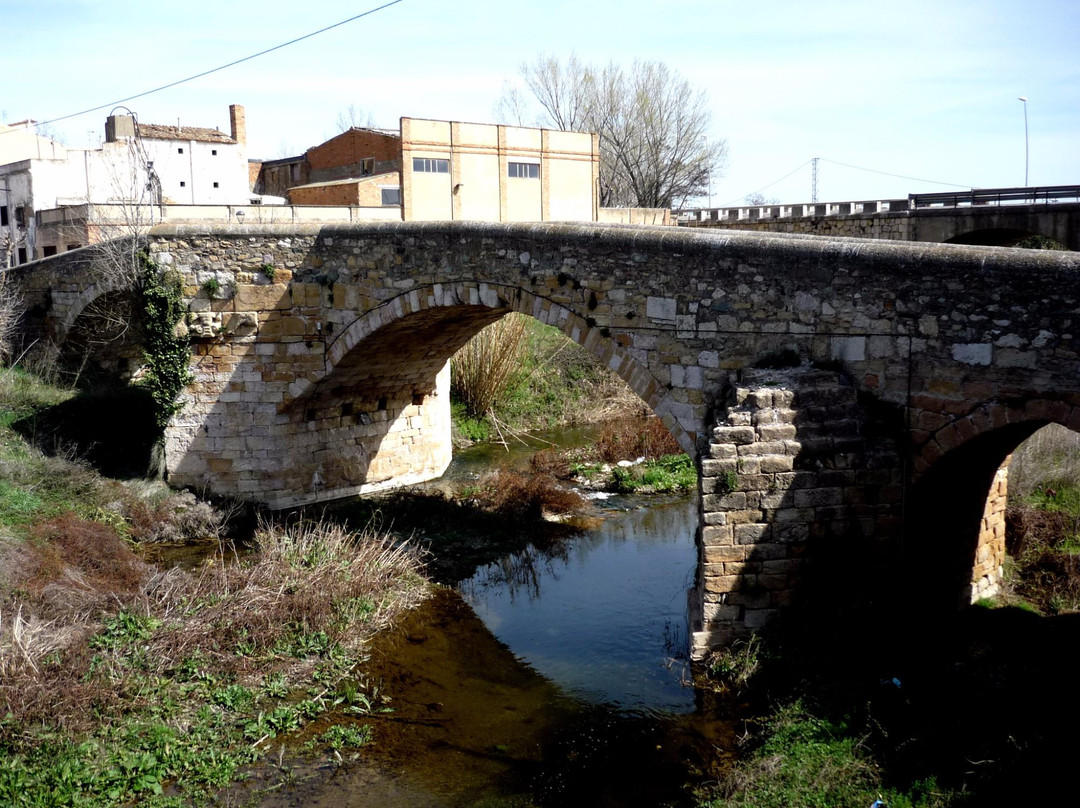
(758, 198)
(353, 117)
(655, 149)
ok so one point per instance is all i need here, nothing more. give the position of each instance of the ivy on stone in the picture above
(168, 356)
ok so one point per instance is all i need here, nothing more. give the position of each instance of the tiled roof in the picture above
(154, 131)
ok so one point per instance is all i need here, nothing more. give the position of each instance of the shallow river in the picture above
(548, 678)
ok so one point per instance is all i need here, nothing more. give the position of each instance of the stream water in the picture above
(554, 676)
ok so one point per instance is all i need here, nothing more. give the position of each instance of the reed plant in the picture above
(489, 365)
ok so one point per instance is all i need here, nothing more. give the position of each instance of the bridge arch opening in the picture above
(381, 399)
(956, 533)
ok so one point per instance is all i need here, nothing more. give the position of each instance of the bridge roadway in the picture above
(989, 216)
(850, 400)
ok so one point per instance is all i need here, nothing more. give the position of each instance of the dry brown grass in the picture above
(240, 619)
(1043, 546)
(630, 439)
(1050, 456)
(525, 497)
(550, 461)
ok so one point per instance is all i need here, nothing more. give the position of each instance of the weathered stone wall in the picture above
(986, 575)
(793, 465)
(894, 226)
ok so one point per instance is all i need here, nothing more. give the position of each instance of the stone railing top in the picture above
(646, 239)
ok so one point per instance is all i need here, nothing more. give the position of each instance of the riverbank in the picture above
(121, 680)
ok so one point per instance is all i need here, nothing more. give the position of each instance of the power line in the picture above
(899, 176)
(178, 82)
(766, 187)
(814, 160)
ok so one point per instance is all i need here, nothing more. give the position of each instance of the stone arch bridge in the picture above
(841, 396)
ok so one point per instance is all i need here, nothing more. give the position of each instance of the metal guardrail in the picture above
(976, 197)
(1048, 194)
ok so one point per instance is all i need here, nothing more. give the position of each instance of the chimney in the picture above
(238, 123)
(118, 127)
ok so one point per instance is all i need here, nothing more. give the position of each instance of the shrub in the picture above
(629, 439)
(524, 497)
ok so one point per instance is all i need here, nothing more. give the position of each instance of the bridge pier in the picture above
(795, 471)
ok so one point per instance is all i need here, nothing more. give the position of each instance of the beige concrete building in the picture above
(488, 172)
(447, 170)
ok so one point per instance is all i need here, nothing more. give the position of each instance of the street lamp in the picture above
(1024, 100)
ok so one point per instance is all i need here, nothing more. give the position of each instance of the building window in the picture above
(529, 171)
(47, 251)
(73, 246)
(431, 165)
(213, 152)
(294, 171)
(367, 166)
(215, 185)
(22, 255)
(391, 196)
(20, 217)
(180, 150)
(3, 216)
(183, 184)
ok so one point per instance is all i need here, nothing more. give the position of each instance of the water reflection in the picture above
(604, 614)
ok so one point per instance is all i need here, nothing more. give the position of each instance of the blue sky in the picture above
(924, 89)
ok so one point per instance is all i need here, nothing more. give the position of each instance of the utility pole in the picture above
(813, 179)
(1024, 100)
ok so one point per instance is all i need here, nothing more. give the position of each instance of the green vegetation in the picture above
(1043, 524)
(1040, 243)
(123, 683)
(525, 376)
(813, 762)
(211, 287)
(268, 272)
(662, 475)
(167, 356)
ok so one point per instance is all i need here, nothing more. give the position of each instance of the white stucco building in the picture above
(48, 192)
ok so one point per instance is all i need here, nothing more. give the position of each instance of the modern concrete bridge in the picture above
(840, 395)
(992, 216)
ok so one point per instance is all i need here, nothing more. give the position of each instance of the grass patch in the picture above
(1042, 523)
(554, 383)
(118, 681)
(667, 474)
(193, 674)
(813, 762)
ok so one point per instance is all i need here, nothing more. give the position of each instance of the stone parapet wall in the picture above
(893, 226)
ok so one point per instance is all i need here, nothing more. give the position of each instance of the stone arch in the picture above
(84, 299)
(488, 302)
(959, 490)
